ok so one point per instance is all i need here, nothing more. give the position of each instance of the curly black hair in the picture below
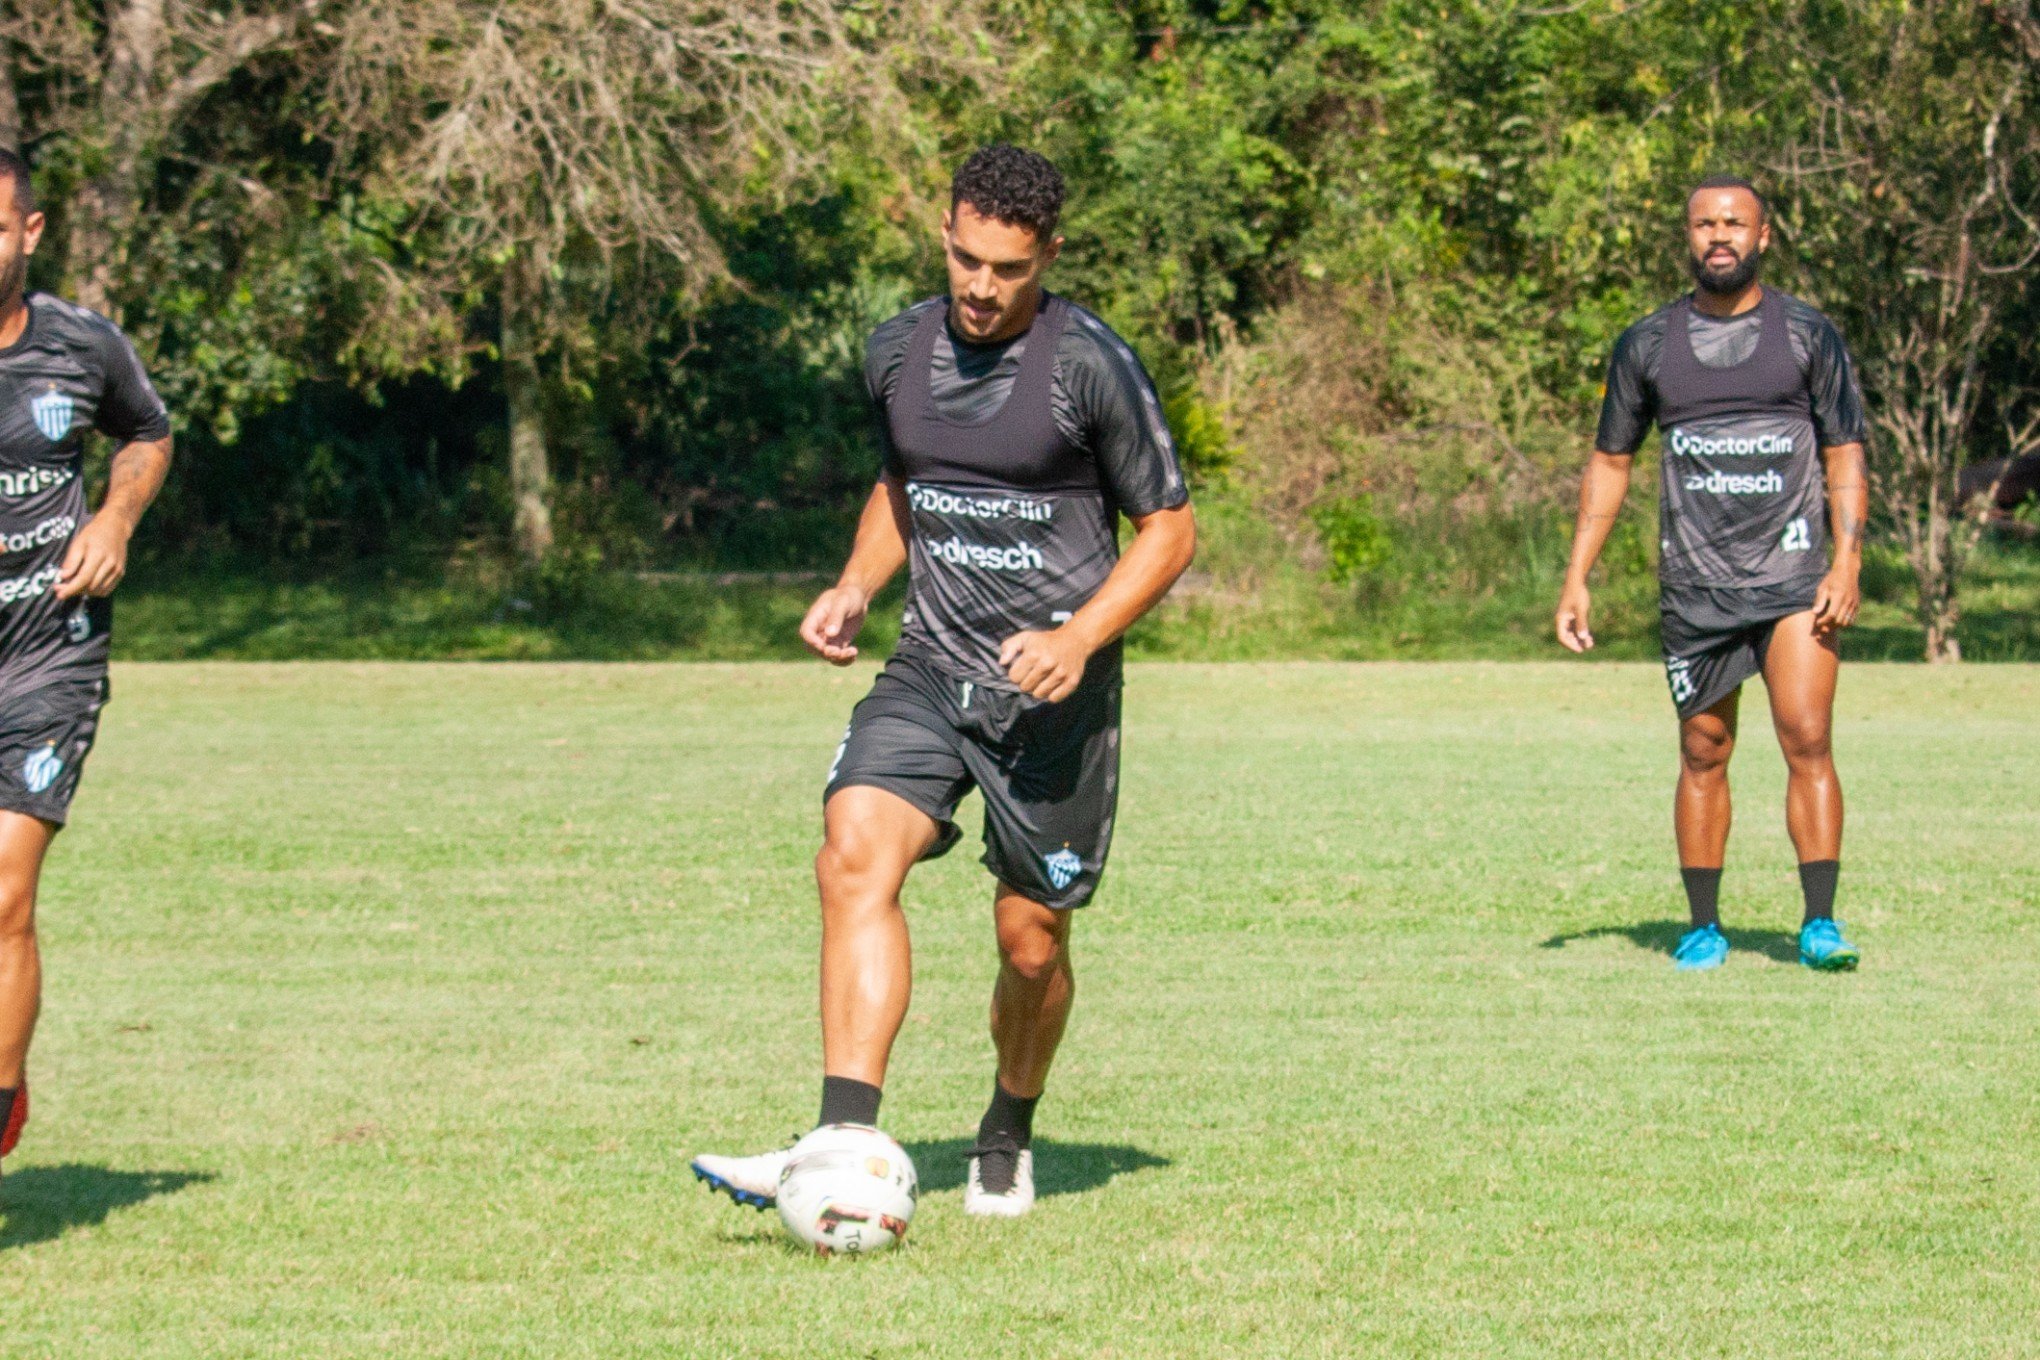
(1012, 185)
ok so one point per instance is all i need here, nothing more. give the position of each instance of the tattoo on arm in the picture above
(136, 476)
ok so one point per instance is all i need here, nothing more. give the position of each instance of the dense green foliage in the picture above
(386, 1003)
(1374, 254)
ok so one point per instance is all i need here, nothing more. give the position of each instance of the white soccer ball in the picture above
(847, 1188)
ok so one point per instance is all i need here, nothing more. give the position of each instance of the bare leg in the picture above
(1031, 1000)
(1800, 671)
(1700, 810)
(23, 842)
(873, 838)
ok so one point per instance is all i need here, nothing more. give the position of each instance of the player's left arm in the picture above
(1840, 428)
(1050, 664)
(129, 411)
(97, 558)
(1115, 401)
(1848, 495)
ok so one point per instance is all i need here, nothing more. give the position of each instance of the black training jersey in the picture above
(1010, 536)
(1743, 499)
(71, 371)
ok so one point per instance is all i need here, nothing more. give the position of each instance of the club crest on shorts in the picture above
(41, 768)
(78, 627)
(1063, 867)
(52, 411)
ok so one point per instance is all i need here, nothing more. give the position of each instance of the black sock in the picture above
(6, 1105)
(1009, 1118)
(1817, 880)
(845, 1100)
(1703, 895)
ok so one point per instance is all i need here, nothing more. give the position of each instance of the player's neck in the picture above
(13, 320)
(1743, 300)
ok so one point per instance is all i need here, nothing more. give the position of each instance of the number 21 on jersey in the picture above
(1798, 538)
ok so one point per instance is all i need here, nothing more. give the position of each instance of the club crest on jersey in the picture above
(1063, 867)
(41, 769)
(79, 626)
(52, 411)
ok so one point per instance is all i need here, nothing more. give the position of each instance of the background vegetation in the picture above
(518, 328)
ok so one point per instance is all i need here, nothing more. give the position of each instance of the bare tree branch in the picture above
(229, 50)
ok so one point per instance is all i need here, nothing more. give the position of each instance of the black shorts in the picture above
(45, 735)
(1715, 637)
(1049, 772)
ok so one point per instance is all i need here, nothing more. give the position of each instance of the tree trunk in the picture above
(100, 217)
(1934, 552)
(1942, 645)
(1940, 607)
(530, 474)
(10, 103)
(106, 206)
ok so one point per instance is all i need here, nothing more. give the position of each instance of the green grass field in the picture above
(386, 1003)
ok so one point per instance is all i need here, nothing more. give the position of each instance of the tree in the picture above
(1914, 194)
(120, 81)
(541, 146)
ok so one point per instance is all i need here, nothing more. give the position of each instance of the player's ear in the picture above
(1764, 236)
(948, 222)
(1048, 256)
(31, 232)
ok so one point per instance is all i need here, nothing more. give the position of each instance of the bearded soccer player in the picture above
(1017, 428)
(63, 370)
(1762, 511)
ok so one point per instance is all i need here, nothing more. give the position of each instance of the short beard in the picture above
(13, 278)
(1734, 281)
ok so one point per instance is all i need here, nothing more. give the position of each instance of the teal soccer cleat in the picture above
(1701, 947)
(1822, 947)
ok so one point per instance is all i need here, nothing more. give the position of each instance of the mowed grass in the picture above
(386, 1003)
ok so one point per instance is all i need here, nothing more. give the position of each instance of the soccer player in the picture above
(1762, 511)
(63, 370)
(1017, 428)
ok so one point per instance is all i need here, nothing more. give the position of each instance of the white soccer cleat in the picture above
(982, 1203)
(747, 1180)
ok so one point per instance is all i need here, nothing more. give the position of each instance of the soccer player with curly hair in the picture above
(1017, 428)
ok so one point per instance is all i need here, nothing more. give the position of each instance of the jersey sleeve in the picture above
(129, 409)
(1629, 400)
(884, 354)
(1831, 380)
(1121, 417)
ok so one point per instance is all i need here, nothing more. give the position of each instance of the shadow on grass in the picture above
(1661, 937)
(42, 1203)
(1059, 1168)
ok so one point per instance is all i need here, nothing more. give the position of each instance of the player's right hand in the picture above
(832, 622)
(1573, 605)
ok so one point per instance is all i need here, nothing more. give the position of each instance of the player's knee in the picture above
(1705, 754)
(1805, 740)
(17, 914)
(1034, 954)
(847, 862)
(835, 866)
